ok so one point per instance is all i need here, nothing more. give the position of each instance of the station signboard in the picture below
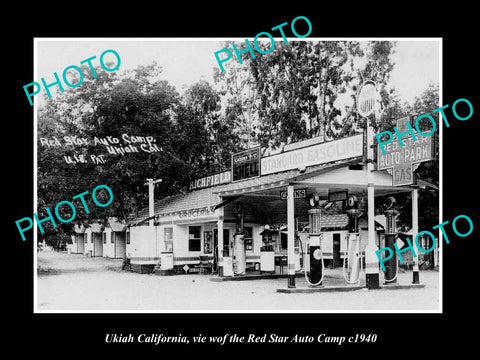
(211, 180)
(322, 153)
(400, 161)
(297, 194)
(246, 164)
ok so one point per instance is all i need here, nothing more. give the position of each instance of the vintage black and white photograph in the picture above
(271, 174)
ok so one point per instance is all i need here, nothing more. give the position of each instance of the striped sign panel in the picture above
(366, 99)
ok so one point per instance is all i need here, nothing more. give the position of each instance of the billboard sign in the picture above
(323, 153)
(246, 164)
(400, 161)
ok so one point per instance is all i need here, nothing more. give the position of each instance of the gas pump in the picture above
(313, 245)
(267, 254)
(391, 265)
(239, 255)
(352, 262)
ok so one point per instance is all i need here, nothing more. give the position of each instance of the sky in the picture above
(417, 63)
(186, 61)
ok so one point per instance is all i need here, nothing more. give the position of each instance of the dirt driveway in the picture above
(69, 282)
(54, 263)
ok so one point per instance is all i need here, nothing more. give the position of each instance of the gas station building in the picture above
(277, 215)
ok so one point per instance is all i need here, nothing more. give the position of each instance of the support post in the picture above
(291, 236)
(416, 273)
(151, 211)
(371, 260)
(220, 244)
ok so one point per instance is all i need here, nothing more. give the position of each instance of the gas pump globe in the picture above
(315, 217)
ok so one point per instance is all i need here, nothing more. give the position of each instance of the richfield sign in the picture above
(212, 180)
(323, 153)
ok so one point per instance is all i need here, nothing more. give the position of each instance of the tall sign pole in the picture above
(416, 272)
(366, 106)
(151, 209)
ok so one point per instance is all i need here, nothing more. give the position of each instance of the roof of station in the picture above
(113, 223)
(281, 179)
(180, 202)
(212, 196)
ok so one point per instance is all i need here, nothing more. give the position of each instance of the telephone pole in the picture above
(151, 210)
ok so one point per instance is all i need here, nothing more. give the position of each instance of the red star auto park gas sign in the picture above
(400, 161)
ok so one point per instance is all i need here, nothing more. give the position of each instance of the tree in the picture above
(208, 128)
(378, 68)
(239, 96)
(134, 104)
(298, 90)
(190, 135)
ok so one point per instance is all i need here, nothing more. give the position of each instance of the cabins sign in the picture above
(400, 161)
(297, 194)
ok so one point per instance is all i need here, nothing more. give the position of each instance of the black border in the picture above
(411, 335)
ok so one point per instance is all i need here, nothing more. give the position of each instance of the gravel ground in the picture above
(75, 282)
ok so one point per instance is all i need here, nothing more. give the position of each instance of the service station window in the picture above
(194, 240)
(248, 238)
(168, 239)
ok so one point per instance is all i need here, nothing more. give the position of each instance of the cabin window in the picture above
(194, 240)
(168, 239)
(112, 237)
(127, 236)
(85, 238)
(104, 238)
